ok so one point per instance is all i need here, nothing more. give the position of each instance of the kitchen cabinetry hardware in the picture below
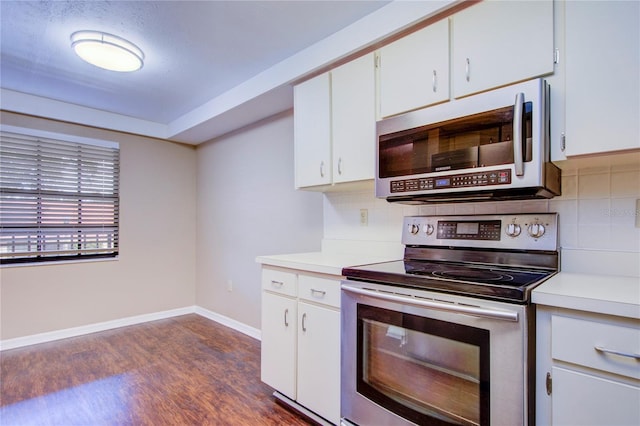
(322, 169)
(434, 81)
(340, 166)
(319, 293)
(277, 284)
(304, 318)
(548, 383)
(286, 320)
(619, 353)
(467, 70)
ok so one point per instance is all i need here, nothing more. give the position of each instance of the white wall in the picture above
(597, 212)
(156, 268)
(247, 206)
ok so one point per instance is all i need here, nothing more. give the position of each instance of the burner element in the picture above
(478, 275)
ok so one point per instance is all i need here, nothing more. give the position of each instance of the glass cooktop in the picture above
(487, 281)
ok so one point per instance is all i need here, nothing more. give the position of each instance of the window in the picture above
(59, 199)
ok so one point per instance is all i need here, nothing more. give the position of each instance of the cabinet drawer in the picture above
(279, 281)
(320, 290)
(596, 345)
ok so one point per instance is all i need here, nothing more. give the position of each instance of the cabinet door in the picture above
(319, 360)
(495, 43)
(312, 131)
(581, 399)
(413, 72)
(602, 85)
(353, 120)
(278, 348)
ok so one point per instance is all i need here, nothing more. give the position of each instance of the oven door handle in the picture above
(475, 311)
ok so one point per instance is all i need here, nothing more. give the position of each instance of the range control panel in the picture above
(528, 231)
(496, 177)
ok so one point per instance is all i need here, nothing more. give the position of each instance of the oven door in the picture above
(416, 357)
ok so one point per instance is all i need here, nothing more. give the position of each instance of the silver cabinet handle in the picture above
(277, 284)
(518, 110)
(434, 81)
(319, 293)
(322, 169)
(476, 311)
(467, 70)
(619, 353)
(286, 320)
(340, 165)
(304, 317)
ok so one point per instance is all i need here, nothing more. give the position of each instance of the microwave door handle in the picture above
(518, 158)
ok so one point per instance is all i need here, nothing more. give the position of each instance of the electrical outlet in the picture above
(364, 217)
(229, 285)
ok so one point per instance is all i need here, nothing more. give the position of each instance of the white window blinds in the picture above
(58, 199)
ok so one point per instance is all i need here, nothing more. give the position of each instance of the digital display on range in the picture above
(467, 228)
(464, 230)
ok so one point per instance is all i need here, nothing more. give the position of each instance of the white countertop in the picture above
(321, 262)
(604, 294)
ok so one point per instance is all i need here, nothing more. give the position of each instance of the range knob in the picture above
(536, 230)
(427, 229)
(513, 230)
(414, 229)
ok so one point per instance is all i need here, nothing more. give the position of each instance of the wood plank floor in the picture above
(186, 370)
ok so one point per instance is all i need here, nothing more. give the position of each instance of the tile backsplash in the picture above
(597, 211)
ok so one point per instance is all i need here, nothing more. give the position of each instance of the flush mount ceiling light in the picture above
(107, 51)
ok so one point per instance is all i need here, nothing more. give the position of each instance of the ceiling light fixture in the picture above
(107, 51)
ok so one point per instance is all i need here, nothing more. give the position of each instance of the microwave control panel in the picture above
(494, 177)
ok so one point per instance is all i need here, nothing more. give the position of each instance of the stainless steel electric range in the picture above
(447, 336)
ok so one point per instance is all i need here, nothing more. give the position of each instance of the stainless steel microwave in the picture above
(490, 146)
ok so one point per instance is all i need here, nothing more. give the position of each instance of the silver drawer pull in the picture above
(277, 284)
(614, 352)
(318, 293)
(286, 319)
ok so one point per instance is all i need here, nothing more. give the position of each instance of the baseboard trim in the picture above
(92, 328)
(35, 339)
(229, 322)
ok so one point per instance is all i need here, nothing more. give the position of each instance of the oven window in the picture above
(427, 371)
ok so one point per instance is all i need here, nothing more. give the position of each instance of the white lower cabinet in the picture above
(278, 350)
(319, 360)
(588, 369)
(300, 355)
(583, 399)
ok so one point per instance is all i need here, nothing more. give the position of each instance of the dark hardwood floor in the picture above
(186, 370)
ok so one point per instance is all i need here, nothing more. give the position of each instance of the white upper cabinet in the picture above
(413, 72)
(602, 83)
(312, 129)
(354, 120)
(495, 43)
(334, 125)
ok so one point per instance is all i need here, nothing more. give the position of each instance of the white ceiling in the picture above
(205, 60)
